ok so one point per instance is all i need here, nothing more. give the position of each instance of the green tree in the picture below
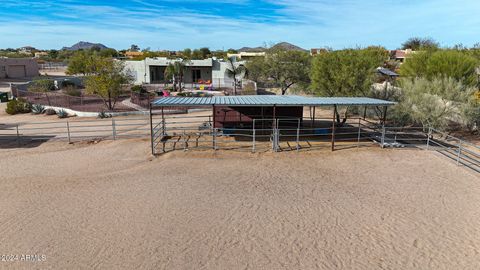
(235, 71)
(205, 52)
(106, 80)
(187, 54)
(442, 63)
(417, 43)
(256, 69)
(197, 54)
(287, 68)
(347, 73)
(108, 53)
(82, 62)
(176, 71)
(134, 48)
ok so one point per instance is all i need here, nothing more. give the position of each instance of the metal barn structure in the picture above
(256, 122)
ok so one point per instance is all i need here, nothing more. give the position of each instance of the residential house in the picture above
(152, 71)
(18, 68)
(246, 55)
(401, 55)
(132, 55)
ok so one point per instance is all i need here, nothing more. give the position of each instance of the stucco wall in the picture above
(6, 67)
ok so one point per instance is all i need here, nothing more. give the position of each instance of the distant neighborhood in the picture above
(147, 66)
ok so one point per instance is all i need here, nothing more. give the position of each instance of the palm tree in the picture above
(176, 71)
(170, 73)
(235, 71)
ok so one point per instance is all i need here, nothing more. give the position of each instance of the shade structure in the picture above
(269, 100)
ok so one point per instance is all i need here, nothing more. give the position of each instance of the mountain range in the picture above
(83, 45)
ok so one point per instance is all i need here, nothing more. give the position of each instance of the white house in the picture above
(152, 70)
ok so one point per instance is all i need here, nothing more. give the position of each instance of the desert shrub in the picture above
(249, 89)
(50, 112)
(442, 63)
(103, 115)
(18, 106)
(434, 103)
(68, 84)
(184, 94)
(38, 109)
(62, 114)
(471, 114)
(73, 91)
(138, 89)
(42, 85)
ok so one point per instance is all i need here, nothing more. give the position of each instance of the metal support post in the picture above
(68, 132)
(18, 136)
(114, 130)
(333, 127)
(383, 136)
(253, 139)
(459, 151)
(151, 131)
(359, 131)
(298, 135)
(428, 137)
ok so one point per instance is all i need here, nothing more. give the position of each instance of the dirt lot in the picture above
(111, 206)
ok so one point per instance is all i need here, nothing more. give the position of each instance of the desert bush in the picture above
(18, 106)
(68, 84)
(50, 112)
(103, 115)
(62, 114)
(249, 89)
(185, 94)
(433, 103)
(442, 63)
(471, 115)
(42, 85)
(138, 89)
(38, 109)
(73, 91)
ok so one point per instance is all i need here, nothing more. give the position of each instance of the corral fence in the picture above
(81, 103)
(23, 134)
(298, 134)
(280, 134)
(178, 132)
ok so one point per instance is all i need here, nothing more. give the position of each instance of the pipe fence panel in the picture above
(175, 132)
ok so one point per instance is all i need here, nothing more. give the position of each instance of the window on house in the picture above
(196, 75)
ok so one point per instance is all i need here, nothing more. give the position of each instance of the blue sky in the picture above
(218, 24)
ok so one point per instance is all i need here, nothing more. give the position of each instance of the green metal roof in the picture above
(269, 100)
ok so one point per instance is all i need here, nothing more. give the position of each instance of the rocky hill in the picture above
(282, 45)
(82, 45)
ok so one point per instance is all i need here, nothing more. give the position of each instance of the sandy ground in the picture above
(111, 206)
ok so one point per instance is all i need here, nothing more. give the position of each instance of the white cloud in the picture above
(308, 23)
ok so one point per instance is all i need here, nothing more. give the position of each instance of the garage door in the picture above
(16, 71)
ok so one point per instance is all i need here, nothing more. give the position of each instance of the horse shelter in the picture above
(262, 123)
